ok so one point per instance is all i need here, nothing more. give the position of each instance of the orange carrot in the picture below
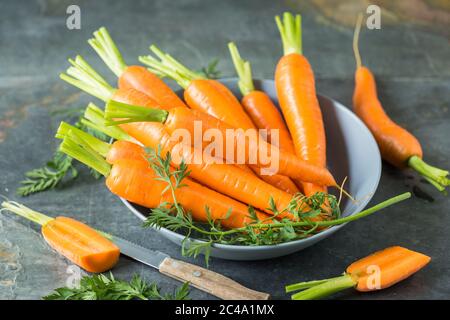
(397, 146)
(375, 272)
(74, 240)
(207, 95)
(264, 114)
(184, 118)
(227, 179)
(141, 79)
(129, 176)
(295, 84)
(135, 77)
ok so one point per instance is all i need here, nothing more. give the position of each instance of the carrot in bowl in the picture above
(397, 145)
(225, 178)
(135, 77)
(184, 118)
(295, 85)
(128, 175)
(259, 106)
(375, 272)
(84, 246)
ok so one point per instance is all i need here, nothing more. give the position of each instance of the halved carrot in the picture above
(74, 240)
(397, 145)
(375, 272)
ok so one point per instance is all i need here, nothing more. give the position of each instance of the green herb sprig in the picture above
(102, 287)
(60, 167)
(201, 237)
(211, 71)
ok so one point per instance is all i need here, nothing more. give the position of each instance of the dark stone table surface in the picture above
(412, 66)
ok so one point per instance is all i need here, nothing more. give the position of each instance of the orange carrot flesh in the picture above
(397, 145)
(394, 264)
(375, 272)
(81, 244)
(76, 241)
(295, 85)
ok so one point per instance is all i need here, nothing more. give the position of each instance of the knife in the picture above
(200, 278)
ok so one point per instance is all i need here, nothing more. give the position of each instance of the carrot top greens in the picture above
(291, 32)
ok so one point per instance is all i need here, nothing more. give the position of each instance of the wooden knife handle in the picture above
(209, 281)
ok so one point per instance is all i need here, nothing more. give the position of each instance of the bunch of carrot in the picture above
(144, 113)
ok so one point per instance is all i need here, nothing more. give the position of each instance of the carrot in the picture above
(129, 176)
(227, 179)
(262, 110)
(141, 79)
(375, 272)
(200, 93)
(397, 145)
(134, 77)
(84, 246)
(295, 85)
(177, 118)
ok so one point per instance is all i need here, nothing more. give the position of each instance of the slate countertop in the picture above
(412, 66)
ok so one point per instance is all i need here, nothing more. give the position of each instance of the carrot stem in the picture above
(170, 67)
(326, 288)
(243, 69)
(356, 40)
(98, 145)
(26, 212)
(105, 47)
(327, 223)
(437, 177)
(84, 77)
(83, 153)
(306, 284)
(291, 32)
(129, 113)
(94, 117)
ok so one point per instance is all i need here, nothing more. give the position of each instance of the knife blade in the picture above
(146, 256)
(201, 278)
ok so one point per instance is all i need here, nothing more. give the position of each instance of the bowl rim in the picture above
(361, 204)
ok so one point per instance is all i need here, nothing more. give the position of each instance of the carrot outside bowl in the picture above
(351, 152)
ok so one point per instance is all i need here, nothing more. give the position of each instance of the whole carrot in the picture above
(143, 80)
(213, 98)
(135, 77)
(76, 241)
(184, 118)
(375, 272)
(260, 107)
(129, 176)
(397, 145)
(295, 85)
(227, 179)
(200, 93)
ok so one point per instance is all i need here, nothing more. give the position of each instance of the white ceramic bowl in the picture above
(351, 152)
